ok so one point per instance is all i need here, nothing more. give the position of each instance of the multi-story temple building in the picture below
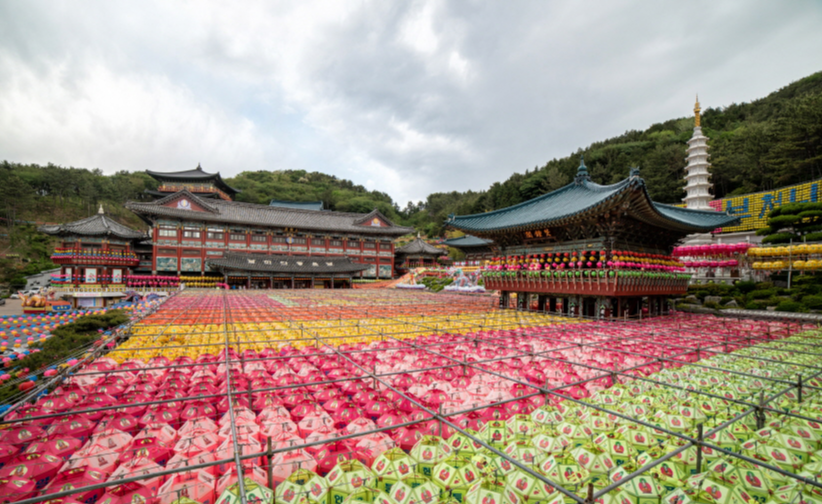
(196, 229)
(589, 249)
(199, 230)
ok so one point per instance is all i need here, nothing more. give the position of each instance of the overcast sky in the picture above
(404, 97)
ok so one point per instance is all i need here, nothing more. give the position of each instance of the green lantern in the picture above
(462, 444)
(521, 427)
(390, 467)
(495, 433)
(523, 452)
(368, 495)
(347, 477)
(302, 487)
(670, 475)
(528, 488)
(455, 476)
(491, 492)
(708, 490)
(414, 489)
(254, 492)
(550, 444)
(428, 452)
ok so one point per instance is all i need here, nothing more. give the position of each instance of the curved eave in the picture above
(61, 231)
(144, 210)
(632, 189)
(208, 177)
(617, 194)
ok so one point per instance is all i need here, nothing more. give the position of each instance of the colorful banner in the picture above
(166, 264)
(91, 275)
(191, 264)
(753, 208)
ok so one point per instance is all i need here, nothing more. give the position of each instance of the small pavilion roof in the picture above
(419, 247)
(584, 198)
(96, 225)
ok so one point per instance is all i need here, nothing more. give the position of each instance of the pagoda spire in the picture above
(100, 210)
(697, 176)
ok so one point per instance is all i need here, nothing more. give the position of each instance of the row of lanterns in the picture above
(585, 260)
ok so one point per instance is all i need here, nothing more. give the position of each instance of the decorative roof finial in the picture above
(199, 168)
(582, 171)
(101, 211)
(634, 171)
(696, 112)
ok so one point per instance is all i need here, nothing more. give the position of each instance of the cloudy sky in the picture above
(408, 97)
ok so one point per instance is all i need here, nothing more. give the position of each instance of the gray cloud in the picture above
(405, 97)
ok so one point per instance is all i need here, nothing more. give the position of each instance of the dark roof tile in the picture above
(286, 264)
(96, 225)
(560, 207)
(234, 212)
(418, 246)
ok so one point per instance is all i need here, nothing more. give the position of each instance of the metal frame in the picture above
(663, 355)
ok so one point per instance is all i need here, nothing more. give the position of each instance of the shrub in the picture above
(712, 304)
(812, 302)
(778, 238)
(790, 306)
(804, 280)
(745, 286)
(725, 299)
(762, 293)
(701, 294)
(755, 305)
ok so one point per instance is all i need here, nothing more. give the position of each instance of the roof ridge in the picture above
(573, 185)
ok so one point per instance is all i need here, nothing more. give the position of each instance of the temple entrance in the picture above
(589, 307)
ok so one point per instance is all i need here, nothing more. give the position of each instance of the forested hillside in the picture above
(298, 185)
(757, 146)
(770, 142)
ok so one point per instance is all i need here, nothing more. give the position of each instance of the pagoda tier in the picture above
(697, 177)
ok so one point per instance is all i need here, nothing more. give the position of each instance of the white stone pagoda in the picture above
(697, 177)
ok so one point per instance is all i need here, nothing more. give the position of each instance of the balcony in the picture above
(94, 257)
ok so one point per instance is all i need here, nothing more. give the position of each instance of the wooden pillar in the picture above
(504, 299)
(292, 282)
(541, 298)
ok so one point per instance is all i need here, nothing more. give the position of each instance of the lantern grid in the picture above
(594, 339)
